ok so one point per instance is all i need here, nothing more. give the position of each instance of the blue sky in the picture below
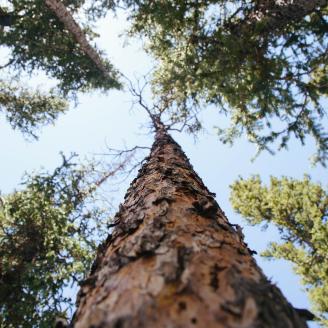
(108, 119)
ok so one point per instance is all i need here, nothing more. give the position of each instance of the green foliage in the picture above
(28, 110)
(38, 40)
(299, 209)
(48, 235)
(270, 81)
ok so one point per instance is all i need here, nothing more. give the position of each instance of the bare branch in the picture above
(163, 111)
(8, 64)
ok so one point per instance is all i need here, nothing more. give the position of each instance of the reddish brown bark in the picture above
(173, 259)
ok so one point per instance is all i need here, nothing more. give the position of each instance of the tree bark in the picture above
(61, 12)
(174, 260)
(275, 15)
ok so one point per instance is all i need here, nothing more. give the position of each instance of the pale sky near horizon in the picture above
(107, 119)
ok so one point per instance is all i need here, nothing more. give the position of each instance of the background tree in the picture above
(39, 38)
(262, 63)
(49, 230)
(298, 209)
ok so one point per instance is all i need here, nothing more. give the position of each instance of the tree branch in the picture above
(72, 26)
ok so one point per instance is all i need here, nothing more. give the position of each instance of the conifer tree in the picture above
(298, 209)
(49, 229)
(45, 36)
(174, 260)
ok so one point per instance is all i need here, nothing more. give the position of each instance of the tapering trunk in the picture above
(173, 259)
(273, 16)
(70, 24)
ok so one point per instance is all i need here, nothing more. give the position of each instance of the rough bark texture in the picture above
(274, 15)
(173, 259)
(70, 24)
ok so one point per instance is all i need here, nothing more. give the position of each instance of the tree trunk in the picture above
(61, 12)
(174, 260)
(274, 15)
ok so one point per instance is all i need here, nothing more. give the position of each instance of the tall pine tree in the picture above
(174, 260)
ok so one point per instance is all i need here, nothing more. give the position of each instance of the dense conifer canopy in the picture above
(299, 209)
(49, 229)
(37, 40)
(261, 63)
